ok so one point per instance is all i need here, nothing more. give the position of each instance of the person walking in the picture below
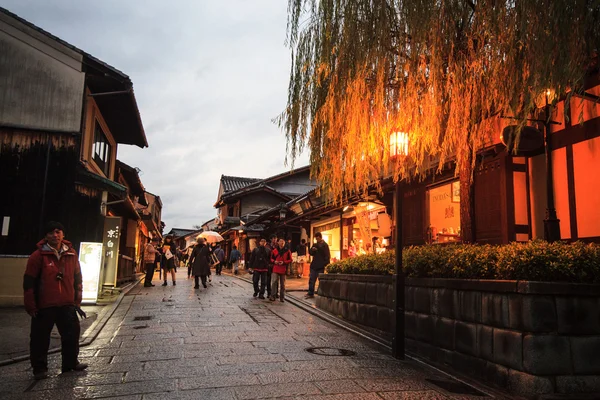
(270, 247)
(321, 256)
(150, 253)
(234, 259)
(301, 253)
(199, 262)
(53, 288)
(281, 257)
(169, 258)
(259, 262)
(220, 254)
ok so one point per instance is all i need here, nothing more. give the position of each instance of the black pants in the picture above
(202, 277)
(219, 268)
(262, 277)
(67, 323)
(269, 273)
(149, 274)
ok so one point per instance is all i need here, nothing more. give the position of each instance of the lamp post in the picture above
(551, 222)
(398, 148)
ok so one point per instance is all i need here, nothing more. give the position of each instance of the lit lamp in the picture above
(398, 148)
(282, 211)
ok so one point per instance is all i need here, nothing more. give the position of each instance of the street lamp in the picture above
(282, 211)
(398, 148)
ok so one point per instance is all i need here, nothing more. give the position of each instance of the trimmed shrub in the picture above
(535, 261)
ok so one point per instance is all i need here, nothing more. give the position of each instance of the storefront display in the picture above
(444, 213)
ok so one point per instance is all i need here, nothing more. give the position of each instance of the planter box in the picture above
(530, 338)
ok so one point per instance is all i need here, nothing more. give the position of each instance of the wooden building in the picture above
(62, 115)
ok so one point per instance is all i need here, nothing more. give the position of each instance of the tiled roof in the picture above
(179, 232)
(232, 183)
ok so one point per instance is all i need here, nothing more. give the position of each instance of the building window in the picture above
(444, 213)
(101, 150)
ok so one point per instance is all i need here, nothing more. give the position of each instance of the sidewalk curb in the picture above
(90, 333)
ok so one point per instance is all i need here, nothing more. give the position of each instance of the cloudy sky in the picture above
(208, 76)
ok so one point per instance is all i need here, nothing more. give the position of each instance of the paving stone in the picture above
(215, 381)
(339, 386)
(156, 386)
(75, 379)
(413, 395)
(204, 394)
(380, 385)
(276, 390)
(345, 396)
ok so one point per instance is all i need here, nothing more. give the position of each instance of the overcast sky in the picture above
(208, 75)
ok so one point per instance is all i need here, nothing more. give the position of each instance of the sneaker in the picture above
(309, 296)
(174, 283)
(255, 294)
(281, 300)
(204, 284)
(261, 297)
(164, 284)
(40, 375)
(271, 298)
(196, 287)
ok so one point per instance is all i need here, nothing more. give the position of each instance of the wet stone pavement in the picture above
(175, 342)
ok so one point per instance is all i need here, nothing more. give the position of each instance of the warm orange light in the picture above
(398, 144)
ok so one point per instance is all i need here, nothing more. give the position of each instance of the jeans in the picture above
(312, 280)
(278, 279)
(149, 274)
(262, 277)
(67, 323)
(269, 273)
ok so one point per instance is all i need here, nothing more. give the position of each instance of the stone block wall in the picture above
(531, 338)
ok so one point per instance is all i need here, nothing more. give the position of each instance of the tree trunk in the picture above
(467, 224)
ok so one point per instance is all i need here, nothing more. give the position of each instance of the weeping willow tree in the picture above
(439, 70)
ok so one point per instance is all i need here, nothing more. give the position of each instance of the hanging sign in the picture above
(110, 242)
(90, 260)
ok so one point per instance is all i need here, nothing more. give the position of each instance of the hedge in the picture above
(535, 261)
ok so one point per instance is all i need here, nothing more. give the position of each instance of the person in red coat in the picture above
(281, 257)
(52, 292)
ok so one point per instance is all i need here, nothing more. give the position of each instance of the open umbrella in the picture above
(211, 237)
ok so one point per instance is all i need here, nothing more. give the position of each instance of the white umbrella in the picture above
(211, 237)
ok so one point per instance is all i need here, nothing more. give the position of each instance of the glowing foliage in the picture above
(440, 70)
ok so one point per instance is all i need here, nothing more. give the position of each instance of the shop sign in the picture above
(110, 242)
(90, 260)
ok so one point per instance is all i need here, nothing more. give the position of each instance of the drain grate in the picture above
(140, 327)
(330, 351)
(456, 387)
(143, 318)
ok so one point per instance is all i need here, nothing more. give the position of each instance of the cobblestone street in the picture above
(220, 343)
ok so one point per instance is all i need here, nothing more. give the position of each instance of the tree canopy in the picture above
(439, 70)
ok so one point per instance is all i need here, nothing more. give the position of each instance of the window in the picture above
(444, 213)
(101, 150)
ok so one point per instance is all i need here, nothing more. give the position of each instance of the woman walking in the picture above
(169, 257)
(281, 257)
(199, 262)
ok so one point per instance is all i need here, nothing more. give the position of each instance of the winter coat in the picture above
(199, 260)
(281, 255)
(42, 288)
(220, 254)
(260, 259)
(321, 256)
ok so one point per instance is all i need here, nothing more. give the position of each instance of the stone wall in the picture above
(530, 338)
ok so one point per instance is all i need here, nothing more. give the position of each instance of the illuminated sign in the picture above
(90, 259)
(111, 239)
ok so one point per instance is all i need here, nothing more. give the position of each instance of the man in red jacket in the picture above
(53, 289)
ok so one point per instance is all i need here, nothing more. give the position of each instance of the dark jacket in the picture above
(41, 287)
(301, 249)
(199, 260)
(235, 255)
(321, 256)
(260, 259)
(220, 254)
(281, 255)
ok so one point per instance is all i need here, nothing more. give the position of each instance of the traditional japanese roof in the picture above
(134, 183)
(119, 109)
(233, 183)
(179, 232)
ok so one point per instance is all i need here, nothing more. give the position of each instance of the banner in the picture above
(110, 243)
(90, 260)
